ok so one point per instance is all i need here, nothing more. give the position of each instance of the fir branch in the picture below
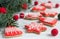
(12, 6)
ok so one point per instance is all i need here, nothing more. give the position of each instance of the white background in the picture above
(43, 35)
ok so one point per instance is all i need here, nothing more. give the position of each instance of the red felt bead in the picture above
(49, 1)
(24, 6)
(21, 15)
(36, 3)
(15, 17)
(56, 5)
(54, 32)
(3, 10)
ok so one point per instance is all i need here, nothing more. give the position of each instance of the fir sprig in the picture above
(12, 7)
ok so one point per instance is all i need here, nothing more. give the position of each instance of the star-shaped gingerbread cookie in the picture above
(35, 27)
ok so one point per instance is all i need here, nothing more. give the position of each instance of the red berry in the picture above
(57, 5)
(34, 9)
(21, 15)
(3, 10)
(15, 17)
(43, 8)
(49, 1)
(42, 19)
(36, 3)
(42, 4)
(43, 29)
(54, 32)
(24, 6)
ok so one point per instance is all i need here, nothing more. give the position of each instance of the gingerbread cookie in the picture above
(12, 31)
(35, 27)
(33, 16)
(48, 21)
(49, 14)
(38, 8)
